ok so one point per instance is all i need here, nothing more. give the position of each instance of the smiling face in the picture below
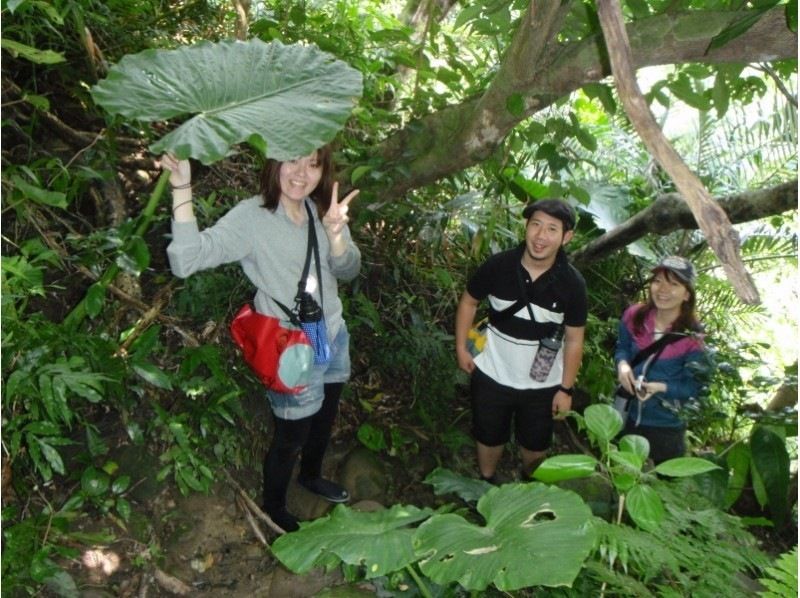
(544, 235)
(299, 177)
(667, 291)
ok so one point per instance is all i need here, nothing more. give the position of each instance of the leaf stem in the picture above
(423, 589)
(77, 314)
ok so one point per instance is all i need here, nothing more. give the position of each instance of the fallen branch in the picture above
(173, 323)
(74, 137)
(253, 507)
(253, 524)
(159, 301)
(170, 583)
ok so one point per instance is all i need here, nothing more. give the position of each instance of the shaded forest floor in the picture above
(207, 544)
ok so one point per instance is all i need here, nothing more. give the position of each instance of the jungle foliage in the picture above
(103, 348)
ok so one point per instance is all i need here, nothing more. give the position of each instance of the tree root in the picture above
(252, 507)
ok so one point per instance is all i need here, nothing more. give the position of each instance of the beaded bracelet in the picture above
(184, 186)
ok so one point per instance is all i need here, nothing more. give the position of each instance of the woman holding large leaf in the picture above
(269, 236)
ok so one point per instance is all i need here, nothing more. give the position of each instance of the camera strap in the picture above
(655, 348)
(311, 249)
(554, 328)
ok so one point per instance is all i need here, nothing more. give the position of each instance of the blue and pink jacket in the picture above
(672, 367)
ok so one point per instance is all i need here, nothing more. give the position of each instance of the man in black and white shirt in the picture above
(534, 279)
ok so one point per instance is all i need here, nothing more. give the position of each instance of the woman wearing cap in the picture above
(665, 381)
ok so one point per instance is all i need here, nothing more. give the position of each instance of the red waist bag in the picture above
(281, 357)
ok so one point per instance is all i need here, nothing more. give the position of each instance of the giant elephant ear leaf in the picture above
(535, 535)
(295, 98)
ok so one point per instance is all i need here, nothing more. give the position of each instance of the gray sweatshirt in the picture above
(272, 250)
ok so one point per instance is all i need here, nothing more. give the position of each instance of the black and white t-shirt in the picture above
(557, 297)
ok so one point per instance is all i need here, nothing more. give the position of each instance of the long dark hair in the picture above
(687, 318)
(270, 183)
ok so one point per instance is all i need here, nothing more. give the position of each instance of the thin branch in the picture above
(792, 99)
(717, 228)
(254, 508)
(253, 524)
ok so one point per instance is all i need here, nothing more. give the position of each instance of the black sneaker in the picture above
(283, 518)
(330, 491)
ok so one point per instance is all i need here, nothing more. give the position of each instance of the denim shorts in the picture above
(309, 400)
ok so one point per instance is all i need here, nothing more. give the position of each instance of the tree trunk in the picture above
(242, 8)
(721, 236)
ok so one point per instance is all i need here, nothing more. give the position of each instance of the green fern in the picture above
(699, 551)
(781, 580)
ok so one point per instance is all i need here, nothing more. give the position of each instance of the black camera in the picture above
(307, 308)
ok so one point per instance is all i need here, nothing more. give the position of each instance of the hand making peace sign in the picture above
(336, 216)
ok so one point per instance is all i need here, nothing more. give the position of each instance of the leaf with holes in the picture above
(535, 535)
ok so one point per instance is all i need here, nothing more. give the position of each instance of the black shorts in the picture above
(494, 406)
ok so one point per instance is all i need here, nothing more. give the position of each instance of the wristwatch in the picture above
(565, 390)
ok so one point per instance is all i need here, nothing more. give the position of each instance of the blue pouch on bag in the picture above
(317, 334)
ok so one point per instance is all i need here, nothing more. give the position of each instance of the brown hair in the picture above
(687, 318)
(270, 184)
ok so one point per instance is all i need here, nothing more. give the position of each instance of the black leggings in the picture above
(309, 436)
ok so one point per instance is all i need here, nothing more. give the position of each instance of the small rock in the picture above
(364, 475)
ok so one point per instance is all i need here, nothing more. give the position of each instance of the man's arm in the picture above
(465, 316)
(573, 354)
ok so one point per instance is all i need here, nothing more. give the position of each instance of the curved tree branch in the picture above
(457, 137)
(670, 213)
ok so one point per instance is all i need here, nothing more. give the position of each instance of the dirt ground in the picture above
(208, 544)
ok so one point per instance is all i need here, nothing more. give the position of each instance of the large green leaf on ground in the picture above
(381, 541)
(445, 481)
(535, 535)
(294, 98)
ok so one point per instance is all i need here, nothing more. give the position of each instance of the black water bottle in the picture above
(546, 355)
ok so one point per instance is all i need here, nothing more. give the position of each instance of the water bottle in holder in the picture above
(546, 355)
(312, 322)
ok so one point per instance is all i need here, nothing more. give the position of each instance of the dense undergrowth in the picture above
(102, 347)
